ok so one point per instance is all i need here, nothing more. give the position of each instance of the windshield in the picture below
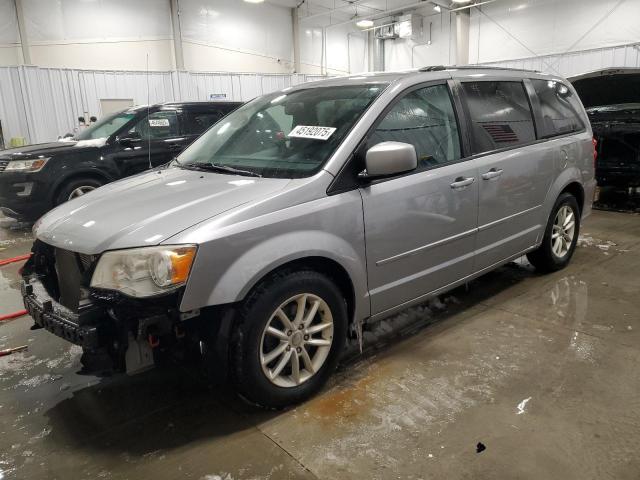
(282, 135)
(106, 127)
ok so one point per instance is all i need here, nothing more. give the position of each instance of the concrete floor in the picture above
(544, 371)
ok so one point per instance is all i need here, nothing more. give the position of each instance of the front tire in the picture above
(76, 188)
(290, 332)
(560, 237)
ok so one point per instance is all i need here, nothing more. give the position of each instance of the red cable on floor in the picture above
(9, 316)
(7, 261)
(9, 351)
(19, 313)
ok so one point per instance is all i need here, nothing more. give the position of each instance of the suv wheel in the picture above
(561, 236)
(76, 188)
(290, 334)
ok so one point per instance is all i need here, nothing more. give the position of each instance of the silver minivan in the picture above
(307, 214)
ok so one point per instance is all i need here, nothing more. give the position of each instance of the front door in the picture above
(514, 174)
(420, 227)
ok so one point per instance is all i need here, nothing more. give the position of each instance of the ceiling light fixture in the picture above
(254, 1)
(457, 1)
(437, 8)
(364, 23)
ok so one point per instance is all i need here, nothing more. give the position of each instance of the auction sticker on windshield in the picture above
(317, 133)
(158, 122)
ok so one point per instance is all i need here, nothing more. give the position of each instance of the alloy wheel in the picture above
(80, 191)
(296, 340)
(564, 227)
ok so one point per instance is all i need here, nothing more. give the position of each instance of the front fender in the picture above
(258, 262)
(228, 267)
(70, 168)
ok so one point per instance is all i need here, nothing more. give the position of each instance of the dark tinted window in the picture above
(560, 108)
(425, 119)
(158, 125)
(198, 122)
(500, 115)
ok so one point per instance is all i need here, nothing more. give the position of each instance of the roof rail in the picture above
(433, 68)
(438, 68)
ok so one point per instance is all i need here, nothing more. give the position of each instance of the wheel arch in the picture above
(325, 266)
(575, 189)
(317, 250)
(77, 174)
(569, 180)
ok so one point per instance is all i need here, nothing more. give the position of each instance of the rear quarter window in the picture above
(500, 115)
(560, 108)
(198, 122)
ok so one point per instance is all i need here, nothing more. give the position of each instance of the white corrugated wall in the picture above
(574, 63)
(40, 104)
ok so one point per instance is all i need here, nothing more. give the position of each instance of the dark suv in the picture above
(36, 178)
(612, 100)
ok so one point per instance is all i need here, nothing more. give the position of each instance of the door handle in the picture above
(493, 173)
(462, 182)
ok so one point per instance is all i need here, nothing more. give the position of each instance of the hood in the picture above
(147, 209)
(48, 149)
(612, 86)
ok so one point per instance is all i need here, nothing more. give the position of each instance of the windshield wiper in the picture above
(216, 167)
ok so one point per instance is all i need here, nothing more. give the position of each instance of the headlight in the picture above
(144, 272)
(34, 165)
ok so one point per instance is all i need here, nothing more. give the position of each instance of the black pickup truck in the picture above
(36, 178)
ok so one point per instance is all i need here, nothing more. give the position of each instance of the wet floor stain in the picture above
(347, 402)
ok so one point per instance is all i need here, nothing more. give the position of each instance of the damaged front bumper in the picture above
(118, 333)
(82, 328)
(116, 336)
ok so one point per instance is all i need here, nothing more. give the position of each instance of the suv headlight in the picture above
(34, 165)
(144, 272)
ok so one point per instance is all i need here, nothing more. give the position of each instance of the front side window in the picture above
(424, 118)
(500, 115)
(157, 126)
(106, 126)
(283, 135)
(560, 108)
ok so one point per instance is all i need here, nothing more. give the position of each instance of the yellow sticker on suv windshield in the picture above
(314, 132)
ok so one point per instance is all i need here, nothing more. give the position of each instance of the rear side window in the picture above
(425, 119)
(198, 122)
(559, 108)
(500, 115)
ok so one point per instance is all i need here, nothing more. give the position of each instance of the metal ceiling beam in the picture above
(385, 13)
(355, 3)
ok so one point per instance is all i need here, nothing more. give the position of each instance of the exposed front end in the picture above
(118, 332)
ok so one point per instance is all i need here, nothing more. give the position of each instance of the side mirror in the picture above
(390, 158)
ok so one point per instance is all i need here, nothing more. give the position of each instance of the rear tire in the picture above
(289, 334)
(76, 188)
(560, 236)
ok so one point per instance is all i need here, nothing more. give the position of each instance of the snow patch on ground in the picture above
(38, 380)
(585, 240)
(522, 405)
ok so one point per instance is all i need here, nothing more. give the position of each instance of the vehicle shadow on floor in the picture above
(172, 407)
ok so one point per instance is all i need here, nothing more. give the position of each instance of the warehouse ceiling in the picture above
(342, 10)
